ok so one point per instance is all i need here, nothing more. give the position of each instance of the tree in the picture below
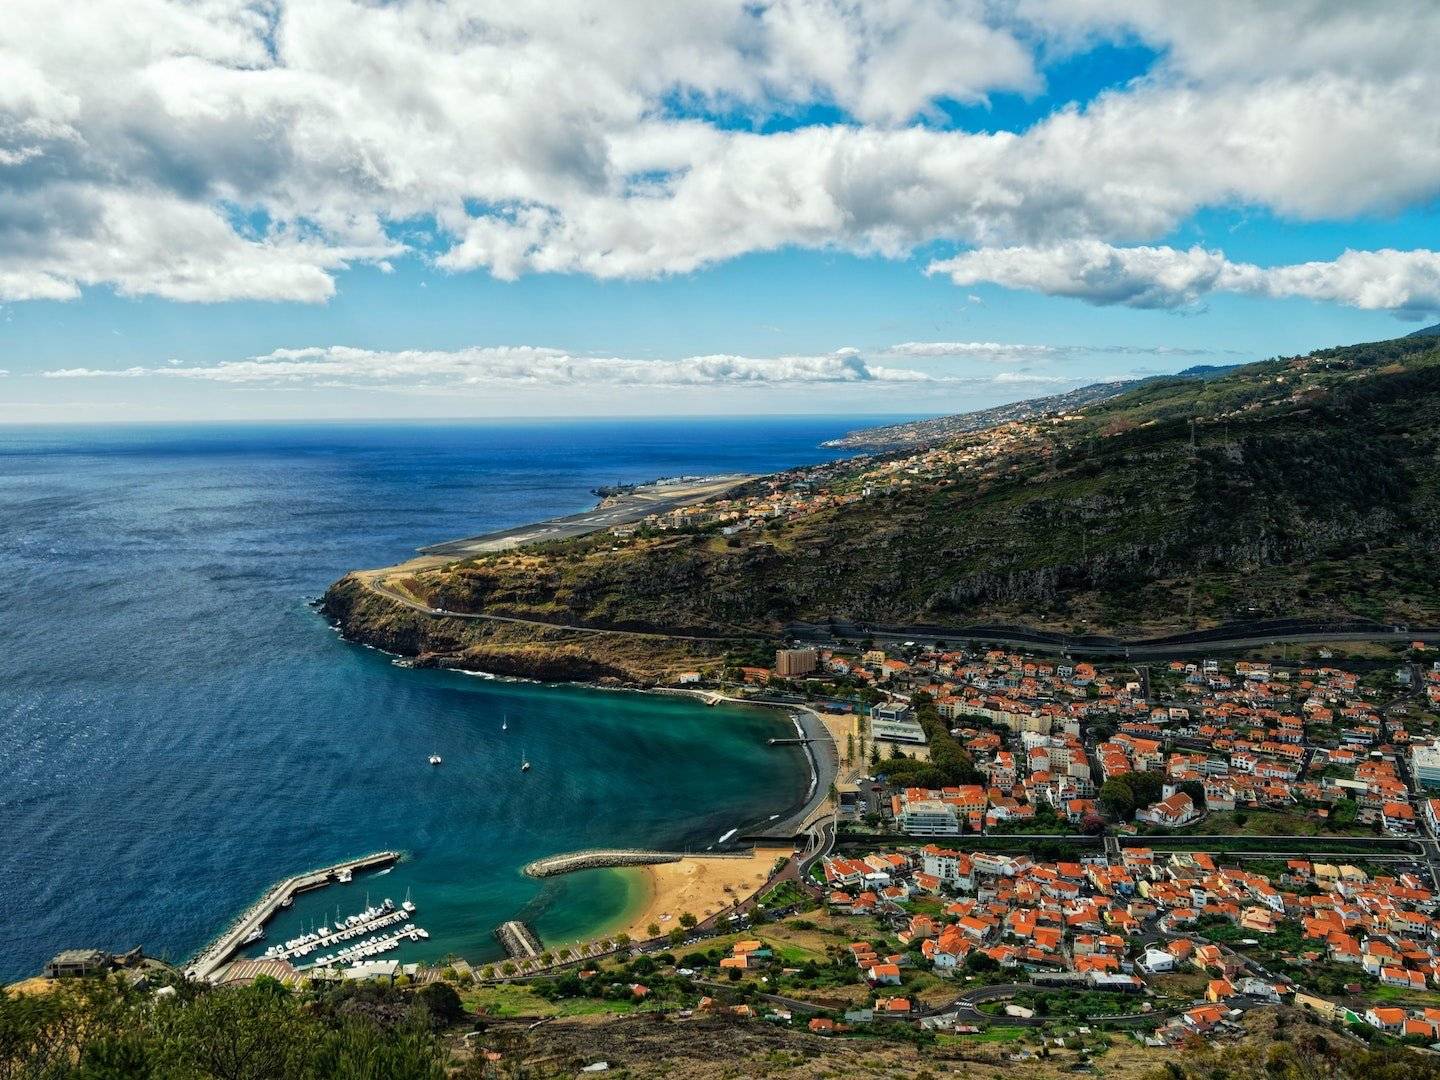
(977, 962)
(245, 1034)
(1117, 799)
(442, 1003)
(687, 920)
(622, 940)
(1196, 790)
(677, 935)
(1344, 814)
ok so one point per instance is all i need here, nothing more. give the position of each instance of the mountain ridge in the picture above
(1291, 488)
(937, 428)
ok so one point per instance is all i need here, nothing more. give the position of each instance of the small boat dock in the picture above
(212, 959)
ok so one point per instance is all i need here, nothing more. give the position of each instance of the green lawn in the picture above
(783, 895)
(518, 1000)
(1397, 993)
(1265, 823)
(991, 1035)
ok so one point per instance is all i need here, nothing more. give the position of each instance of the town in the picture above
(1059, 827)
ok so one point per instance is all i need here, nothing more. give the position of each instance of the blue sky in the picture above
(749, 223)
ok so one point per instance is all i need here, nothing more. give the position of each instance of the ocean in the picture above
(179, 729)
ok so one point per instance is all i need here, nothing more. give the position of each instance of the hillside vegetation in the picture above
(1299, 487)
(96, 1030)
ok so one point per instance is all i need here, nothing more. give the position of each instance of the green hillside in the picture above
(1300, 487)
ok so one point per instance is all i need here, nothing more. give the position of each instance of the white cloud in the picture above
(1143, 277)
(1406, 282)
(543, 369)
(518, 365)
(996, 352)
(1030, 377)
(224, 149)
(991, 351)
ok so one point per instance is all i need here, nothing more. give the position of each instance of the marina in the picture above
(366, 922)
(211, 960)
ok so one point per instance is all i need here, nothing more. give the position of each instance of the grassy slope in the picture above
(1309, 492)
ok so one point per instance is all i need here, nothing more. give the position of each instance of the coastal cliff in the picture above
(529, 651)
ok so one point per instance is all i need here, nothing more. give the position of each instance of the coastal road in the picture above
(377, 581)
(1173, 647)
(824, 757)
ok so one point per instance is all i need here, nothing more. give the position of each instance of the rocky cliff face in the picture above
(533, 652)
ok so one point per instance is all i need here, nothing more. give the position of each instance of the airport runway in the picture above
(622, 509)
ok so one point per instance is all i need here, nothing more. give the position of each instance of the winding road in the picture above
(1293, 632)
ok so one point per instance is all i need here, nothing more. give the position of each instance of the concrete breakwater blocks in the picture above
(552, 865)
(519, 940)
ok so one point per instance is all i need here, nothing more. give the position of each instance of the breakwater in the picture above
(519, 940)
(213, 957)
(600, 858)
(595, 859)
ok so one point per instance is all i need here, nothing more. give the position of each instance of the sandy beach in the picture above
(702, 886)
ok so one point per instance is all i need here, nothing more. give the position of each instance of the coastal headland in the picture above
(391, 607)
(1043, 531)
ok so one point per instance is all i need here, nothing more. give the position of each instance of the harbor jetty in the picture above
(211, 960)
(553, 865)
(599, 858)
(519, 940)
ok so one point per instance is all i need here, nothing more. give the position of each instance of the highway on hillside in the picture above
(1178, 646)
(1036, 641)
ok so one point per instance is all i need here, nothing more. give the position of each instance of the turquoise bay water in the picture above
(178, 729)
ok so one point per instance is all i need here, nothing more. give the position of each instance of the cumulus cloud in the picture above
(1090, 270)
(224, 149)
(515, 365)
(1406, 282)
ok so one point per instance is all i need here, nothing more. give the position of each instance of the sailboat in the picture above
(524, 762)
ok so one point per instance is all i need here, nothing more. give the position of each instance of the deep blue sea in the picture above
(179, 729)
